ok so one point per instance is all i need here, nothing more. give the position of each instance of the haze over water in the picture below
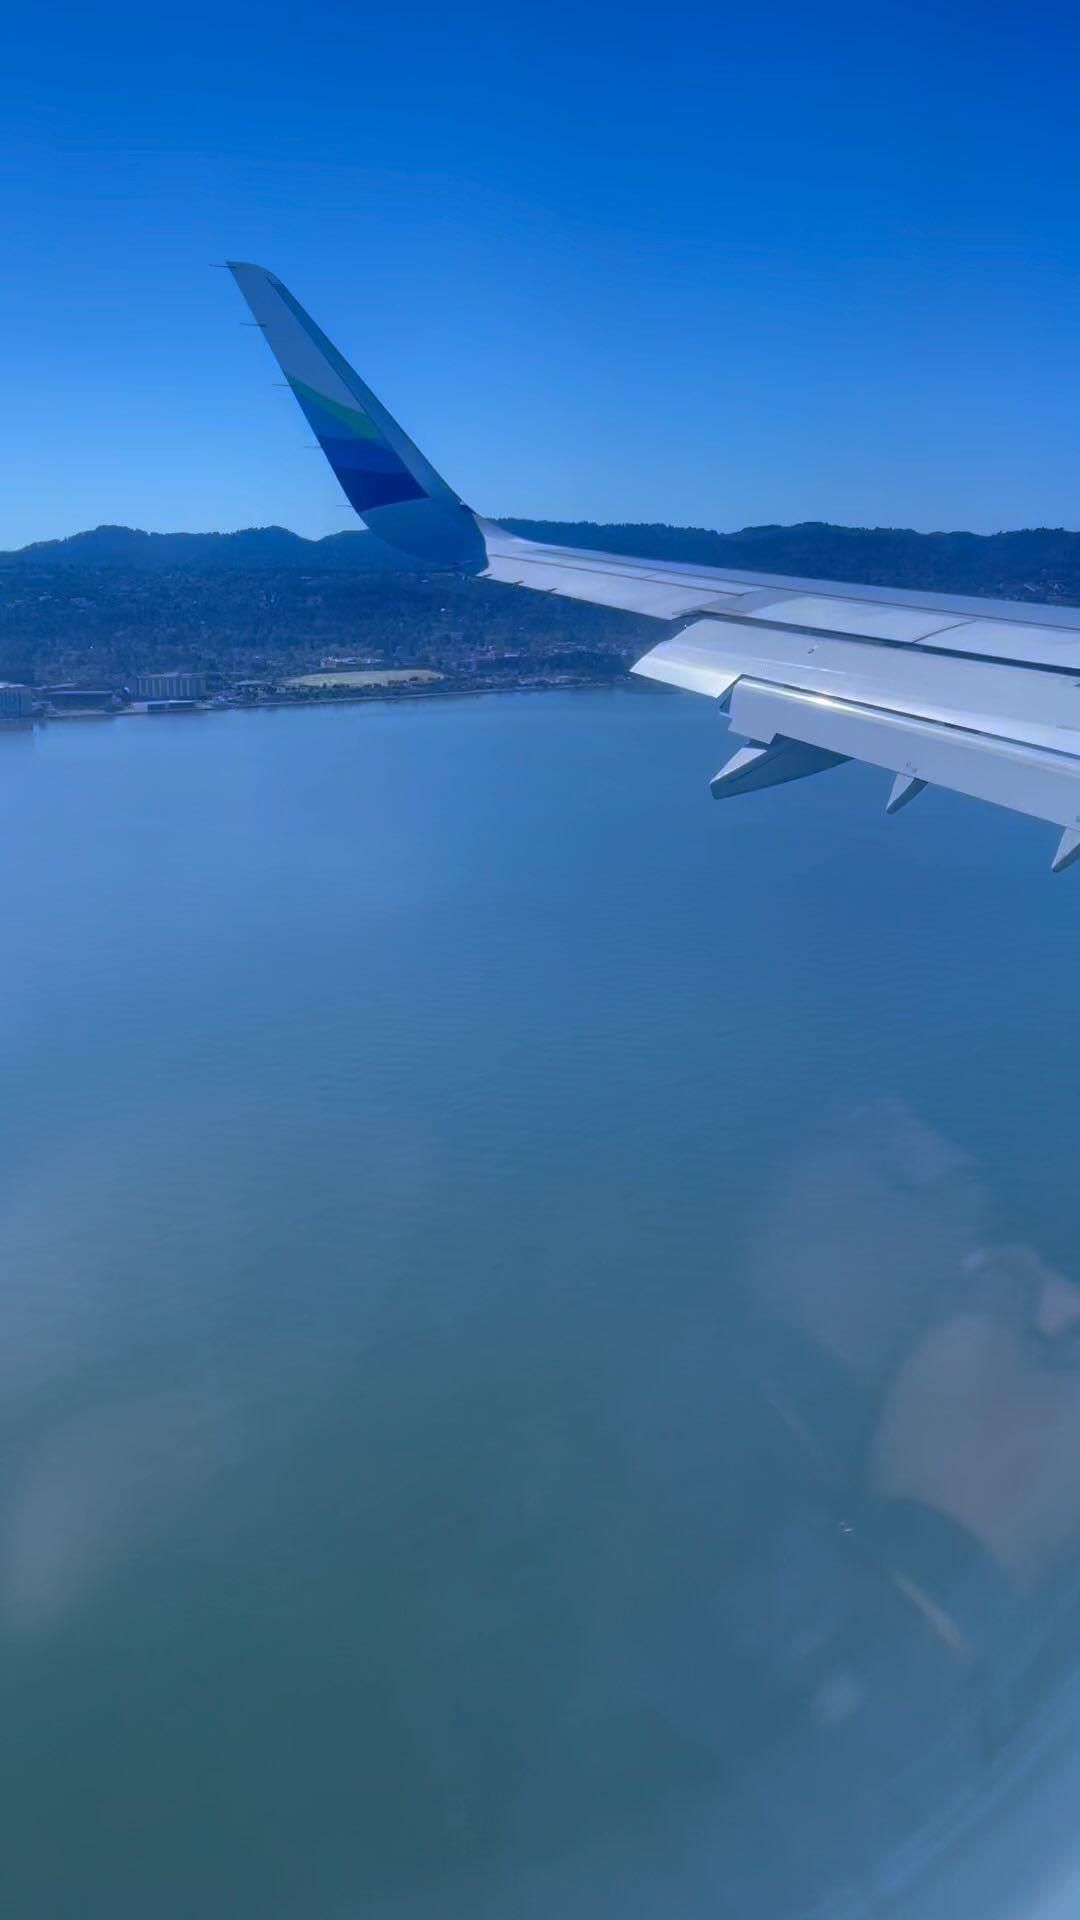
(393, 1099)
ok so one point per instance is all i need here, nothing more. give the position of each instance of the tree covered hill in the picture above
(1034, 563)
(251, 547)
(102, 605)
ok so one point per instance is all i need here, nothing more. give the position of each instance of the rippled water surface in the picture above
(392, 1098)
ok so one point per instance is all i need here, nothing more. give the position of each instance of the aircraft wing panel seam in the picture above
(1007, 773)
(989, 736)
(734, 618)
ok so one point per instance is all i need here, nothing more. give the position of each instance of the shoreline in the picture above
(381, 696)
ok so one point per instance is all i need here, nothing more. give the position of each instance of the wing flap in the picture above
(1006, 772)
(1038, 708)
(1005, 734)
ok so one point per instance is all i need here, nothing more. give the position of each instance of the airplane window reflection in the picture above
(879, 1473)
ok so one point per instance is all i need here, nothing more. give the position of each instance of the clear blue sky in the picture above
(714, 266)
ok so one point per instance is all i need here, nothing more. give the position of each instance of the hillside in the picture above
(1034, 563)
(103, 605)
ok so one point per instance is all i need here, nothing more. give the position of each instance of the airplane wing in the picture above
(979, 695)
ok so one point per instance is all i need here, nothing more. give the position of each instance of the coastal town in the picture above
(105, 634)
(185, 690)
(116, 622)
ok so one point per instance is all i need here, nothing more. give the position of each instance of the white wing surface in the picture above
(940, 690)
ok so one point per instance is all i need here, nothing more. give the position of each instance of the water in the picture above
(392, 1100)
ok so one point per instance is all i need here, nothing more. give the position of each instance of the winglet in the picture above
(385, 478)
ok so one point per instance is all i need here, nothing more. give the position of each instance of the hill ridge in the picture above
(1022, 563)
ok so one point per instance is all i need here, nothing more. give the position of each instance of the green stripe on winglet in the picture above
(352, 418)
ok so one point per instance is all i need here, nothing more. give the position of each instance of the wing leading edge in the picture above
(982, 696)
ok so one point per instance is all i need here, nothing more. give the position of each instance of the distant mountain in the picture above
(252, 547)
(1041, 563)
(106, 605)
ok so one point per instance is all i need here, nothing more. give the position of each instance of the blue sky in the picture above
(710, 266)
